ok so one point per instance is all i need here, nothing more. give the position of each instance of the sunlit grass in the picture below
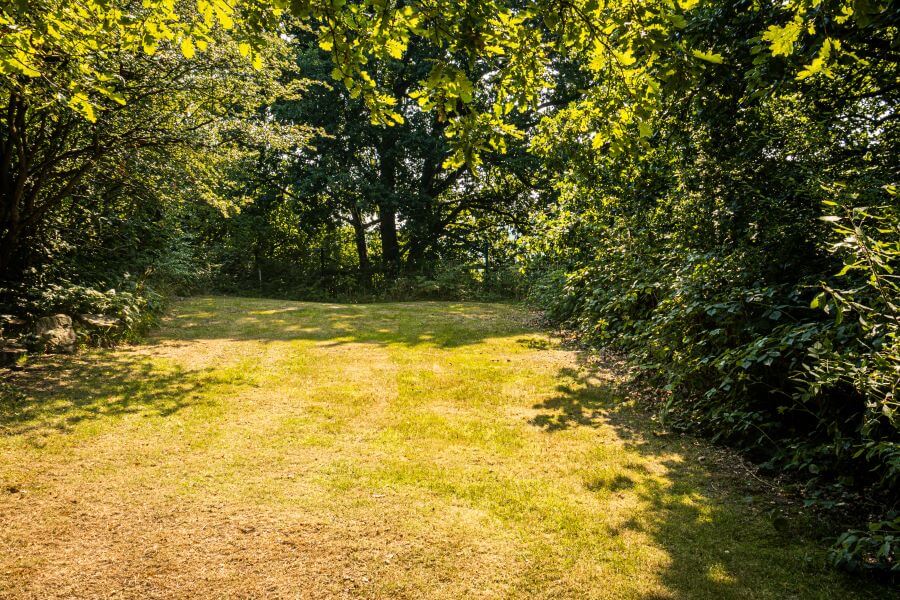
(443, 450)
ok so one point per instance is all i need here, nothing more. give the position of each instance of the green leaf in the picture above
(187, 48)
(712, 57)
(644, 129)
(782, 38)
(82, 105)
(112, 95)
(820, 63)
(818, 301)
(395, 48)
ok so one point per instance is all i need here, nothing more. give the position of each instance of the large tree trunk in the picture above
(387, 210)
(390, 246)
(13, 170)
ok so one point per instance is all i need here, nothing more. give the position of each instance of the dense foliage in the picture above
(746, 257)
(370, 211)
(709, 186)
(106, 202)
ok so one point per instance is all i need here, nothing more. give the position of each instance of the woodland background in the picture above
(708, 187)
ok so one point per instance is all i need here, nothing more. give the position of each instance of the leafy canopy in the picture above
(57, 49)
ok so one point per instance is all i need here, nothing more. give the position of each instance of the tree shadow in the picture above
(437, 324)
(583, 401)
(717, 545)
(57, 393)
(704, 509)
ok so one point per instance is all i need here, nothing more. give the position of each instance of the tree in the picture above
(698, 245)
(391, 179)
(51, 157)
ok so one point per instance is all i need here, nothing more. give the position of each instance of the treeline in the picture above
(710, 187)
(98, 212)
(363, 211)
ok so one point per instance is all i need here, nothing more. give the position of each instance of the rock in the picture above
(55, 334)
(98, 321)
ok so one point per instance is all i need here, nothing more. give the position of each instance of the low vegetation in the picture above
(442, 450)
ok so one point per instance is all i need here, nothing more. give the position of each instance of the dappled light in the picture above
(584, 400)
(60, 395)
(277, 277)
(317, 223)
(409, 324)
(261, 447)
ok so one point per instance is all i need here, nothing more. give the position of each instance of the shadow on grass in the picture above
(436, 324)
(58, 393)
(704, 511)
(716, 546)
(583, 401)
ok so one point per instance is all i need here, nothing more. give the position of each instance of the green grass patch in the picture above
(444, 449)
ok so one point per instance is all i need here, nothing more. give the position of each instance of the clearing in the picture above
(264, 448)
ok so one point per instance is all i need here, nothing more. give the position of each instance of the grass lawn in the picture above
(264, 448)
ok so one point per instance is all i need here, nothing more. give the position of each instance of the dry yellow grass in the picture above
(271, 449)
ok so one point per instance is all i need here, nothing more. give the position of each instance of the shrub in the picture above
(135, 306)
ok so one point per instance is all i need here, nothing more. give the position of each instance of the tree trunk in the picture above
(362, 250)
(13, 170)
(387, 209)
(390, 247)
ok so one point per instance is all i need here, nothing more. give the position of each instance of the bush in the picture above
(456, 281)
(751, 272)
(875, 549)
(134, 305)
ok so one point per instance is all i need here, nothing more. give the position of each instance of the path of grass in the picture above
(262, 448)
